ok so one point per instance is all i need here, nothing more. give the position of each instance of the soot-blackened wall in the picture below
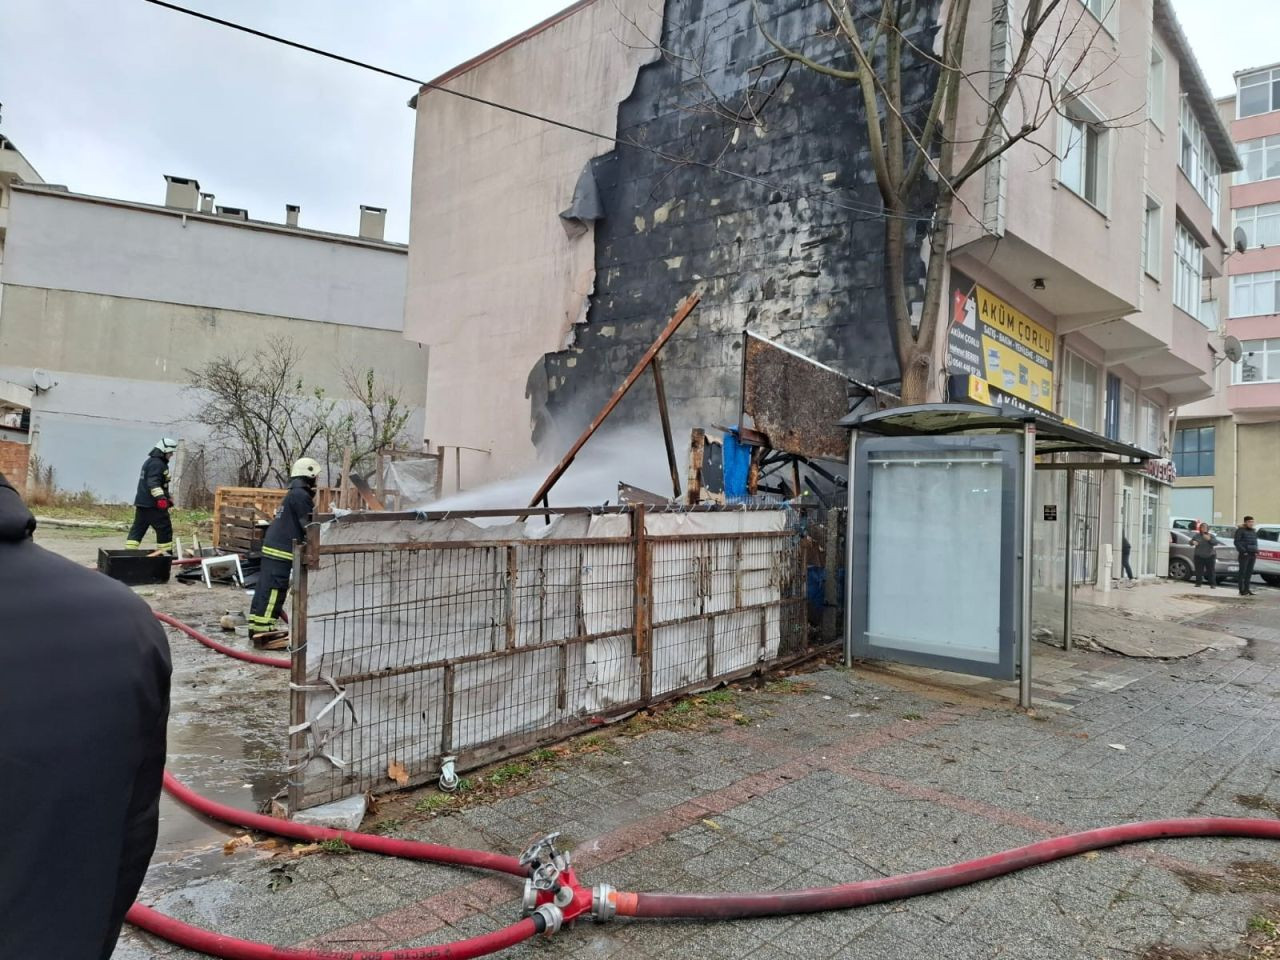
(794, 253)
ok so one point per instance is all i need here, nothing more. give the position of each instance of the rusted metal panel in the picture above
(794, 401)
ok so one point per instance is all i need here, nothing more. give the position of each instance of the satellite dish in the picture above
(1240, 240)
(1231, 347)
(41, 379)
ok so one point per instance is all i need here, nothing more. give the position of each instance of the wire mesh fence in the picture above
(417, 639)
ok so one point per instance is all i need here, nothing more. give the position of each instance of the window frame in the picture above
(1155, 87)
(1080, 396)
(1199, 451)
(1091, 146)
(1254, 280)
(1188, 272)
(1272, 79)
(1152, 249)
(1249, 217)
(1262, 146)
(1267, 364)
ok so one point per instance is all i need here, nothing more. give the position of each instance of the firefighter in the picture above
(152, 503)
(84, 696)
(277, 556)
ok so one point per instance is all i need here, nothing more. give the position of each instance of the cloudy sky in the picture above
(108, 95)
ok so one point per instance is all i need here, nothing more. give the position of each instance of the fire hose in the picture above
(553, 896)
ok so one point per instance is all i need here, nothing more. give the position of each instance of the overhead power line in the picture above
(822, 196)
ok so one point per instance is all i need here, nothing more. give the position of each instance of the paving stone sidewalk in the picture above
(842, 775)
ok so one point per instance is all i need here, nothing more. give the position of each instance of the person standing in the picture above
(1124, 557)
(288, 527)
(84, 698)
(1205, 555)
(1246, 542)
(152, 502)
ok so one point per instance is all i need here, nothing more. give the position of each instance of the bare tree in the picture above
(260, 410)
(373, 422)
(1047, 48)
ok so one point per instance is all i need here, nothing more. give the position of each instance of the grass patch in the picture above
(719, 696)
(1255, 801)
(386, 826)
(336, 846)
(544, 755)
(433, 803)
(911, 716)
(509, 772)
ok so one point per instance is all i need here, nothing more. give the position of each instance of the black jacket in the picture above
(154, 476)
(84, 698)
(1246, 540)
(290, 521)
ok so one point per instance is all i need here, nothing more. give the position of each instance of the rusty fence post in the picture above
(643, 609)
(303, 554)
(831, 584)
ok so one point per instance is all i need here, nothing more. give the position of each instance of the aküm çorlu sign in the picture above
(989, 339)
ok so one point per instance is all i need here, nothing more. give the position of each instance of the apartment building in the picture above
(107, 304)
(542, 261)
(1227, 448)
(1101, 238)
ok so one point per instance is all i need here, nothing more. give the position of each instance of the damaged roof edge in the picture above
(1197, 88)
(496, 51)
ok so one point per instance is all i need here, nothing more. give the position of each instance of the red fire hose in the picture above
(723, 906)
(604, 902)
(220, 647)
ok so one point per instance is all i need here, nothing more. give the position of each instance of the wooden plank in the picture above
(697, 454)
(297, 678)
(512, 575)
(672, 326)
(367, 495)
(656, 366)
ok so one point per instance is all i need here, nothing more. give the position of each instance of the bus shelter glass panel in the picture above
(935, 553)
(1049, 555)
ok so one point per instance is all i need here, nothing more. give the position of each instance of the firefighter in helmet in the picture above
(152, 503)
(287, 528)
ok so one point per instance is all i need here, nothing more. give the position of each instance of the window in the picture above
(1155, 88)
(1255, 294)
(1261, 224)
(1151, 239)
(1081, 150)
(1193, 452)
(1121, 410)
(1196, 157)
(1080, 399)
(1128, 415)
(1259, 93)
(1261, 159)
(1150, 435)
(1187, 262)
(1209, 314)
(1099, 8)
(1111, 412)
(1260, 363)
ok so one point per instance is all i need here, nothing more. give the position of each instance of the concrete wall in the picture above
(120, 365)
(495, 280)
(70, 242)
(795, 255)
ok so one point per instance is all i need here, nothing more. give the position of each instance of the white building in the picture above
(106, 304)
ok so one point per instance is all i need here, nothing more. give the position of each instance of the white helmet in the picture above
(167, 445)
(306, 467)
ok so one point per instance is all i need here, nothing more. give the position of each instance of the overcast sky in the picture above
(106, 96)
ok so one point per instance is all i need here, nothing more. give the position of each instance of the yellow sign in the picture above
(1000, 344)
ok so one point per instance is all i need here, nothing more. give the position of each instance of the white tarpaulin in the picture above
(460, 609)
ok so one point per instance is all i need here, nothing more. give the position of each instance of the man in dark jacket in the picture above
(152, 502)
(84, 698)
(1246, 541)
(288, 527)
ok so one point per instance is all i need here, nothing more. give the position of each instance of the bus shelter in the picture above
(940, 522)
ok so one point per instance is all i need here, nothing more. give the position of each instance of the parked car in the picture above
(1181, 551)
(1268, 564)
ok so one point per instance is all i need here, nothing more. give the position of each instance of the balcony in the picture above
(1254, 402)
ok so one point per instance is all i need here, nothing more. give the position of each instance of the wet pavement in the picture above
(829, 776)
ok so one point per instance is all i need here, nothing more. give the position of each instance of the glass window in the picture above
(1097, 7)
(1187, 264)
(1196, 156)
(1151, 239)
(1255, 294)
(1193, 452)
(1155, 88)
(1128, 415)
(1258, 93)
(1260, 363)
(1080, 401)
(1261, 159)
(1151, 436)
(1082, 160)
(1260, 223)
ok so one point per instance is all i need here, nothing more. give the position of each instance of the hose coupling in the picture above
(529, 902)
(552, 916)
(545, 862)
(448, 775)
(564, 896)
(603, 906)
